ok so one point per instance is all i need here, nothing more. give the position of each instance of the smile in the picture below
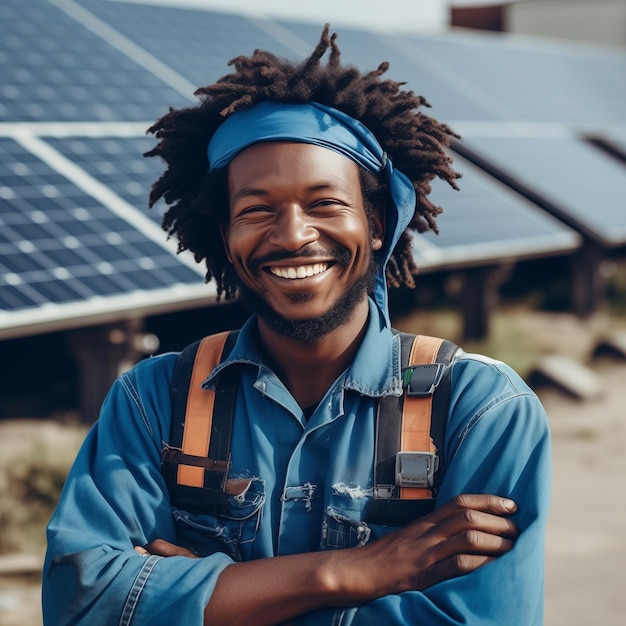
(301, 271)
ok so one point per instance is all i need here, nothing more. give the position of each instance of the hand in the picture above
(464, 534)
(160, 547)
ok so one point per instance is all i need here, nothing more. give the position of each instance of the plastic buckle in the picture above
(416, 469)
(422, 380)
(384, 492)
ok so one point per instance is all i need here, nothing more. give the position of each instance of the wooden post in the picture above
(588, 286)
(103, 353)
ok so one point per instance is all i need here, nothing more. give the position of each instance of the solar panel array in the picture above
(81, 80)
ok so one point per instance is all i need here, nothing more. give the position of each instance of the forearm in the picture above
(274, 590)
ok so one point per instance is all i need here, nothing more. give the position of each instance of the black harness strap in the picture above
(212, 498)
(387, 507)
(388, 429)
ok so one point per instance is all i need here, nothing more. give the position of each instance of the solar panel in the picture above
(532, 80)
(572, 178)
(54, 69)
(487, 223)
(61, 246)
(196, 44)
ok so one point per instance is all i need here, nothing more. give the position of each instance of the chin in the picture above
(312, 328)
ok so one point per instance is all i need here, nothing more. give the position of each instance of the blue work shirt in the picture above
(311, 481)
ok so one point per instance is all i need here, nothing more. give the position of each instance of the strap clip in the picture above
(416, 469)
(422, 380)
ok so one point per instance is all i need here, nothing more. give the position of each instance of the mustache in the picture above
(341, 256)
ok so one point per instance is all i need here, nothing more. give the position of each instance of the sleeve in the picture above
(499, 443)
(115, 499)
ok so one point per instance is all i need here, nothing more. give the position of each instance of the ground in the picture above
(586, 542)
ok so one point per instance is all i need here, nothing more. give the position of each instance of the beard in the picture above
(312, 329)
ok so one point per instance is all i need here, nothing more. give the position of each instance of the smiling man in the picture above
(298, 184)
(299, 237)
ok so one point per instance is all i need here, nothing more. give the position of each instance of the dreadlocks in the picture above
(198, 199)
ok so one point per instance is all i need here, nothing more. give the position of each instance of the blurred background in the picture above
(529, 266)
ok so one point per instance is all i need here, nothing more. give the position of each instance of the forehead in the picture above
(286, 163)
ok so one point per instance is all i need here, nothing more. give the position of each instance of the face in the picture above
(299, 237)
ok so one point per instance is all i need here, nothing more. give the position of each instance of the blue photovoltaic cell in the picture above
(118, 162)
(54, 69)
(584, 184)
(196, 44)
(60, 245)
(485, 222)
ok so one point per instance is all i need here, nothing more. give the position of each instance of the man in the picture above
(314, 175)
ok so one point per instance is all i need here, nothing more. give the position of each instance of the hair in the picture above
(198, 199)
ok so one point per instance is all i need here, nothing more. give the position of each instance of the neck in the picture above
(309, 369)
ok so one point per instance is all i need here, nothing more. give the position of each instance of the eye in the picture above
(327, 203)
(252, 210)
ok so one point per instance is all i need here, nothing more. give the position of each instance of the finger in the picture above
(479, 543)
(141, 550)
(464, 504)
(465, 552)
(461, 564)
(161, 547)
(457, 516)
(488, 503)
(471, 519)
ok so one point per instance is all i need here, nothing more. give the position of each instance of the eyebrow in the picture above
(249, 191)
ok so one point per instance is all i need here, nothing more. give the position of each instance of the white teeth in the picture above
(302, 271)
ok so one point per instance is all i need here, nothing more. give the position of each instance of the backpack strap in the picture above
(410, 433)
(195, 463)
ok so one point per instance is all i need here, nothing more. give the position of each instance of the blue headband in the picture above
(323, 126)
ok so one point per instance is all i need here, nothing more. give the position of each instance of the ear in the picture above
(224, 234)
(377, 228)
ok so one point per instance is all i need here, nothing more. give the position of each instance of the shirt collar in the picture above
(374, 372)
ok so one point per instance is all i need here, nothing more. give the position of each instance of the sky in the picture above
(398, 15)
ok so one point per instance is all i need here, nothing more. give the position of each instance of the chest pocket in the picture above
(344, 525)
(232, 532)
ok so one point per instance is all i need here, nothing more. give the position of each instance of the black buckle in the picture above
(422, 380)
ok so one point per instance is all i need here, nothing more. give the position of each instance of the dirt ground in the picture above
(586, 542)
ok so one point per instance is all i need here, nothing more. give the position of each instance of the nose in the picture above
(293, 229)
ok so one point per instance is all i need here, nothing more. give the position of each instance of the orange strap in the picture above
(417, 413)
(199, 415)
